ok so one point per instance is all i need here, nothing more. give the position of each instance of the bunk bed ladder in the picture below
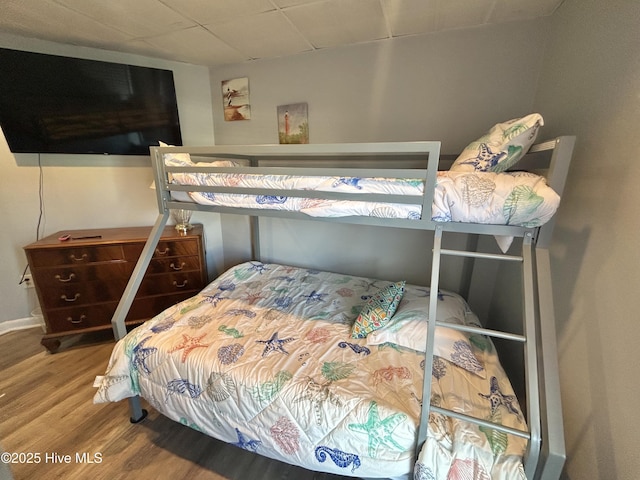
(528, 339)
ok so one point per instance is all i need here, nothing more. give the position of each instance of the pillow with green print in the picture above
(378, 310)
(500, 148)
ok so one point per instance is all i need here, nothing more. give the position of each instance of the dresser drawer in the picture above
(80, 255)
(84, 293)
(165, 249)
(80, 317)
(174, 264)
(170, 283)
(100, 315)
(148, 307)
(52, 278)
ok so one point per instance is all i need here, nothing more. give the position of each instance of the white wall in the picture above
(449, 86)
(590, 86)
(88, 191)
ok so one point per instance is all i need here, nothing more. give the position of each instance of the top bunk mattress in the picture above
(506, 198)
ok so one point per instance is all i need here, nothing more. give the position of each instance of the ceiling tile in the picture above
(411, 17)
(408, 17)
(238, 30)
(336, 22)
(510, 10)
(139, 18)
(216, 11)
(290, 3)
(259, 36)
(47, 20)
(142, 47)
(196, 45)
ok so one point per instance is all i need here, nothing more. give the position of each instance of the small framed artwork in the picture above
(293, 123)
(235, 96)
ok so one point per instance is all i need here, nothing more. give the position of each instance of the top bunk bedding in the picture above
(477, 188)
(510, 198)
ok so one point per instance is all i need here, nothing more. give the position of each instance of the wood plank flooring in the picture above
(46, 408)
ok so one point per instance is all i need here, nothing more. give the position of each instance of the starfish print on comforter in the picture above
(497, 398)
(274, 344)
(318, 394)
(139, 355)
(380, 431)
(188, 344)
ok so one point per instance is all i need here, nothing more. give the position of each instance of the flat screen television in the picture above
(56, 104)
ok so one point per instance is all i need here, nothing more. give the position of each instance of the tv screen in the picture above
(55, 104)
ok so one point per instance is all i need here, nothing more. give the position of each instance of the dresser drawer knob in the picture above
(67, 299)
(78, 259)
(163, 252)
(177, 267)
(80, 320)
(180, 285)
(68, 279)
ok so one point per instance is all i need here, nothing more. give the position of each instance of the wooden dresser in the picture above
(79, 281)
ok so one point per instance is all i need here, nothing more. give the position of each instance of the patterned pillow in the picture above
(378, 310)
(501, 148)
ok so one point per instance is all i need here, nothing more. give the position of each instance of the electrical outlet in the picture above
(27, 281)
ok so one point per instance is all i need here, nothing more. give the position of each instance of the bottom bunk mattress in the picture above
(265, 358)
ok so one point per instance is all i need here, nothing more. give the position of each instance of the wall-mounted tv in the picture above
(56, 104)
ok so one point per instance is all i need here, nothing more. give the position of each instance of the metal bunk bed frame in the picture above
(545, 454)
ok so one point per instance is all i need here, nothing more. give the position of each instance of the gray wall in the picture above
(590, 86)
(449, 86)
(580, 70)
(87, 191)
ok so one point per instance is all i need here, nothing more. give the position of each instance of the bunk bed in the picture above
(325, 370)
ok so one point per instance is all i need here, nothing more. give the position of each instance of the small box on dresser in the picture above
(79, 281)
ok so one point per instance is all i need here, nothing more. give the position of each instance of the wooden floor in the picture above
(46, 409)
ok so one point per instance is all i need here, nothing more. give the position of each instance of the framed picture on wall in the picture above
(235, 96)
(293, 123)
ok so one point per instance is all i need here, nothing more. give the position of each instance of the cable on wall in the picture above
(40, 213)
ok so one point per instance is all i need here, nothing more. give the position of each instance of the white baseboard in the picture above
(19, 324)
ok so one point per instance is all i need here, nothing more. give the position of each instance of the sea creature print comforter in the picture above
(263, 358)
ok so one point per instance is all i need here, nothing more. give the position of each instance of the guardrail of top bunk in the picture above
(255, 153)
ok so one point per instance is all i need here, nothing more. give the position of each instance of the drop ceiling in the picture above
(216, 32)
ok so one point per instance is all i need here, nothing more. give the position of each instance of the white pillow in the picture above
(184, 160)
(408, 329)
(500, 148)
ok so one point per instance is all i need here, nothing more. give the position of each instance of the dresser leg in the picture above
(51, 344)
